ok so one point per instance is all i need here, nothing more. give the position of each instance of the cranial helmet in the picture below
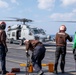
(2, 25)
(62, 27)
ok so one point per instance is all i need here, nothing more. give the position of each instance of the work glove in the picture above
(27, 54)
(71, 37)
(73, 51)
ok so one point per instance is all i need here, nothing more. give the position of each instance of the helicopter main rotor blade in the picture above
(7, 20)
(66, 21)
(23, 20)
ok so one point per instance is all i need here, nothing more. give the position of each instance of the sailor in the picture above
(3, 47)
(61, 42)
(38, 53)
(74, 49)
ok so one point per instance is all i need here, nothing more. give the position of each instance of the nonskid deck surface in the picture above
(16, 55)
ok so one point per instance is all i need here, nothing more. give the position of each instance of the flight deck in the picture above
(16, 55)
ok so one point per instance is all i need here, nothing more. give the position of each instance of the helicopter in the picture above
(19, 32)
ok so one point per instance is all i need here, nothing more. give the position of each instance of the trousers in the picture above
(74, 52)
(3, 58)
(60, 51)
(37, 57)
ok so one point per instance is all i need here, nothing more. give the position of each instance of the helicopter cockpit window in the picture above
(36, 31)
(41, 31)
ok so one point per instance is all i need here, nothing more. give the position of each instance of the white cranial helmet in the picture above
(62, 27)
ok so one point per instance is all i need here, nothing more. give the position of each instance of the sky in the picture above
(42, 12)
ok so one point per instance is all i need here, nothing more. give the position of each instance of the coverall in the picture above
(3, 50)
(37, 56)
(61, 50)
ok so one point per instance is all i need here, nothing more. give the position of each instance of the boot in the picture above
(40, 72)
(55, 71)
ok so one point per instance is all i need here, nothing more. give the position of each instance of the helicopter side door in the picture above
(18, 34)
(26, 34)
